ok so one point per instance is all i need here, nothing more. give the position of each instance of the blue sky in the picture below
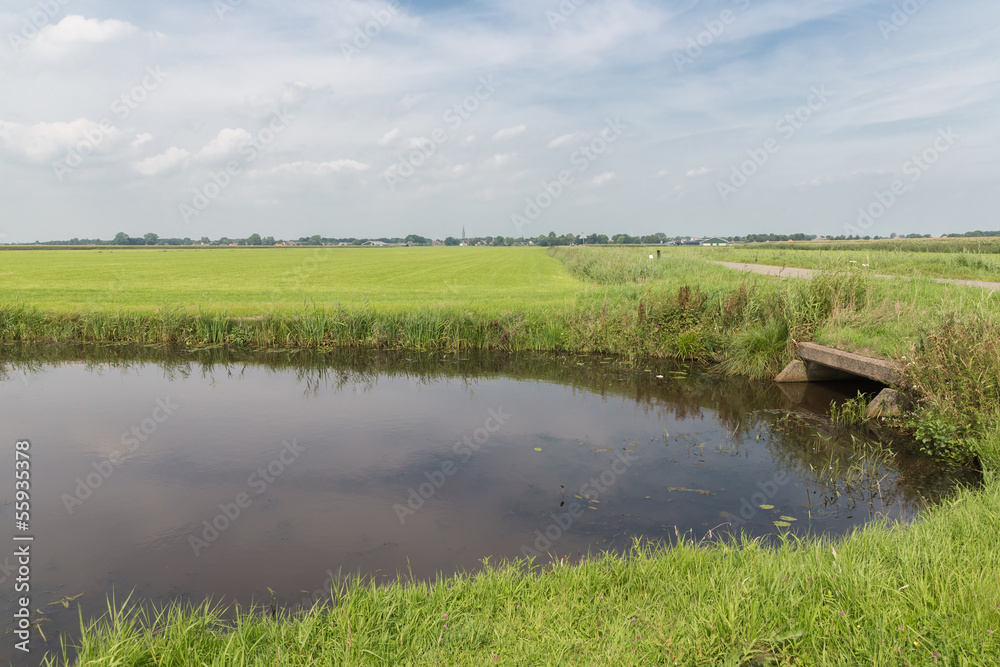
(355, 118)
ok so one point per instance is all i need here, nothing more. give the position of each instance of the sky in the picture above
(349, 118)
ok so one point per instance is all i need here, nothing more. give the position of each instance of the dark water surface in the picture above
(205, 476)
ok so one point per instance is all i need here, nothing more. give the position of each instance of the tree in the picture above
(254, 239)
(150, 238)
(451, 240)
(269, 240)
(315, 239)
(121, 238)
(498, 240)
(205, 240)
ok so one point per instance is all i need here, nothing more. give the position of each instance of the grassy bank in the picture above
(918, 595)
(603, 300)
(928, 593)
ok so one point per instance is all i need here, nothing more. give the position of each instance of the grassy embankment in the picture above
(885, 595)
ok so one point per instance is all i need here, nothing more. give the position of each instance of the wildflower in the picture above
(517, 607)
(446, 617)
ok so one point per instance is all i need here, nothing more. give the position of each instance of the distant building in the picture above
(714, 242)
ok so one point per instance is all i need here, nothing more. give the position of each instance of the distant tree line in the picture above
(973, 234)
(550, 239)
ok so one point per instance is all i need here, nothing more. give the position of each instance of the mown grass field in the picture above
(251, 281)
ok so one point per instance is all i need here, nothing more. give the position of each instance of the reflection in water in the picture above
(181, 476)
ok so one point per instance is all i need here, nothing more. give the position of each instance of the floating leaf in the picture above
(788, 518)
(538, 449)
(766, 507)
(782, 524)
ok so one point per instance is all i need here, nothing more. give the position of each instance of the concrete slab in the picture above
(807, 371)
(881, 370)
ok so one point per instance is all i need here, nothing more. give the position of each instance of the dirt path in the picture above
(789, 272)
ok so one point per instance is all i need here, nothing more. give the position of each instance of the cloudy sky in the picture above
(515, 117)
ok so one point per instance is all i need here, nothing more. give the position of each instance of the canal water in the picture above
(186, 477)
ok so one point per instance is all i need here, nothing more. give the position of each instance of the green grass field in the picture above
(959, 259)
(248, 281)
(925, 594)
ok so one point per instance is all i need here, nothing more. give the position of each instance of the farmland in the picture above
(885, 595)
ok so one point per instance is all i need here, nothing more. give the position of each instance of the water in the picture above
(205, 476)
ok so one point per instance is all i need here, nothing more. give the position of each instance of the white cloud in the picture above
(169, 160)
(500, 159)
(601, 179)
(310, 168)
(44, 141)
(74, 32)
(661, 173)
(388, 136)
(568, 139)
(224, 144)
(701, 171)
(140, 139)
(509, 132)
